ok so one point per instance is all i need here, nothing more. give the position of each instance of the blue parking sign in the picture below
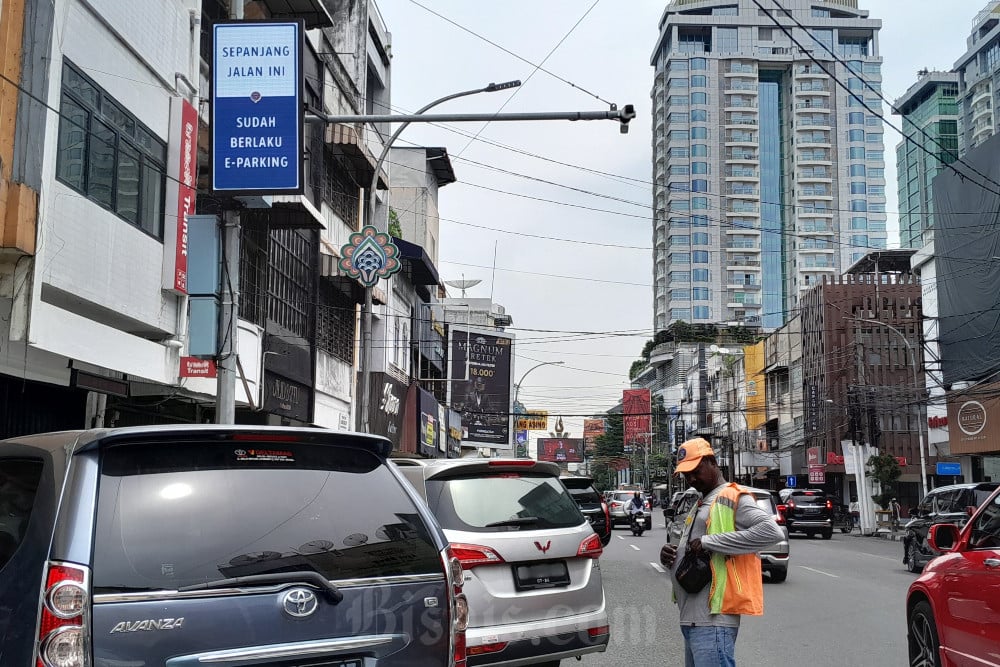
(257, 114)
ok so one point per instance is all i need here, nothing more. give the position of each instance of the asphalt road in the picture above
(842, 604)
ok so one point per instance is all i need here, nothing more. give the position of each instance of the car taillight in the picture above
(780, 518)
(472, 555)
(599, 631)
(607, 513)
(829, 504)
(591, 547)
(791, 504)
(458, 607)
(63, 618)
(495, 647)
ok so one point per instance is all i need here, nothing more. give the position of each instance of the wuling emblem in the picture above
(369, 255)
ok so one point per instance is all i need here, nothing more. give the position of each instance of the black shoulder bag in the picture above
(694, 572)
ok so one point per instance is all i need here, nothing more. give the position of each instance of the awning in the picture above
(329, 257)
(349, 141)
(313, 12)
(286, 212)
(416, 263)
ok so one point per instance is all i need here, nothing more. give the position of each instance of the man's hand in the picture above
(668, 554)
(695, 544)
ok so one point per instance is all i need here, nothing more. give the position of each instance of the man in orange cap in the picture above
(728, 524)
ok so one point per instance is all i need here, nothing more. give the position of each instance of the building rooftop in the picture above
(883, 261)
(922, 89)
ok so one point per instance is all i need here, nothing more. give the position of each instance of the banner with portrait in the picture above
(481, 373)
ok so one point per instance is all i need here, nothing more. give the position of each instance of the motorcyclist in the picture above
(636, 506)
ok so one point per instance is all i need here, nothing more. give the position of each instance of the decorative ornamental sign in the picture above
(369, 255)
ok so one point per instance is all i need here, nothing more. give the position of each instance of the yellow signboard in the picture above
(536, 420)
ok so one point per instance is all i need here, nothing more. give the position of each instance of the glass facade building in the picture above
(930, 123)
(752, 143)
(979, 80)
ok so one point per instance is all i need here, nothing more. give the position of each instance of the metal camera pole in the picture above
(623, 116)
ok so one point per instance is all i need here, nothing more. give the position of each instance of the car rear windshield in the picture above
(179, 514)
(501, 501)
(809, 498)
(585, 495)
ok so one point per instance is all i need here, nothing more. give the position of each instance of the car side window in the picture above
(942, 503)
(986, 530)
(19, 480)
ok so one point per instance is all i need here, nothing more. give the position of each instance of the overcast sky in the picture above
(586, 301)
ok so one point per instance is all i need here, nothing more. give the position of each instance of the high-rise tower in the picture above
(768, 173)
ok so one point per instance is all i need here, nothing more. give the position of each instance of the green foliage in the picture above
(394, 227)
(636, 368)
(886, 471)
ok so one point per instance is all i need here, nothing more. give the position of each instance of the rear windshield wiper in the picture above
(519, 521)
(314, 578)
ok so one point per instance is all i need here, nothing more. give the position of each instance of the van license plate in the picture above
(552, 574)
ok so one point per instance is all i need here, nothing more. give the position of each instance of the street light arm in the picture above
(491, 88)
(517, 385)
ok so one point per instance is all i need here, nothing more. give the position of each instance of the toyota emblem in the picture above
(299, 602)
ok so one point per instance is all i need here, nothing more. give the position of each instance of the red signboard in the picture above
(636, 412)
(812, 456)
(838, 459)
(592, 429)
(817, 474)
(193, 367)
(183, 170)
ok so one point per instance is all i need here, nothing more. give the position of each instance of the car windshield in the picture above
(187, 513)
(502, 501)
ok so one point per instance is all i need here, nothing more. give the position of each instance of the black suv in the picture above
(220, 545)
(945, 504)
(591, 504)
(809, 511)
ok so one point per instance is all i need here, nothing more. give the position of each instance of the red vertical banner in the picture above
(636, 413)
(182, 167)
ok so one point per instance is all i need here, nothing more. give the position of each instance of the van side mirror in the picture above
(669, 512)
(943, 537)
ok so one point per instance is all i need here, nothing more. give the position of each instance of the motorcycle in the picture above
(638, 522)
(842, 519)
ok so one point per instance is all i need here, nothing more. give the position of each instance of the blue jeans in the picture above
(709, 646)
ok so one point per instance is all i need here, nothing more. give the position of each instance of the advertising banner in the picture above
(428, 432)
(756, 401)
(454, 435)
(533, 420)
(481, 373)
(257, 114)
(560, 450)
(387, 396)
(636, 411)
(592, 429)
(974, 420)
(182, 165)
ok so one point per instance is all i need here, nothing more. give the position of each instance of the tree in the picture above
(394, 228)
(885, 469)
(609, 450)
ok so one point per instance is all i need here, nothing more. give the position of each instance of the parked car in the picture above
(591, 504)
(952, 504)
(221, 544)
(951, 609)
(675, 519)
(808, 511)
(530, 558)
(774, 559)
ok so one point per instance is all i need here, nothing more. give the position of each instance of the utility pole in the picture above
(229, 312)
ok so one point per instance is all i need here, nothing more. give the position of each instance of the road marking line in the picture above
(878, 556)
(658, 567)
(634, 547)
(619, 537)
(819, 571)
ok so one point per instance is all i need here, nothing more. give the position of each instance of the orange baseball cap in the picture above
(690, 454)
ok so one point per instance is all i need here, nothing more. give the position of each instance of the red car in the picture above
(953, 608)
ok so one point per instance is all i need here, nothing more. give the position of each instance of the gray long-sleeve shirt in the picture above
(755, 530)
